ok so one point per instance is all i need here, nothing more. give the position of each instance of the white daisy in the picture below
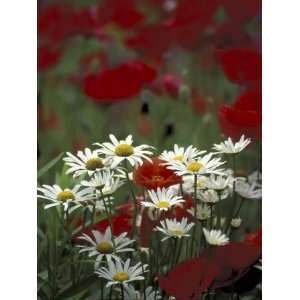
(66, 197)
(203, 212)
(131, 294)
(255, 178)
(162, 199)
(105, 246)
(86, 161)
(236, 222)
(229, 147)
(219, 182)
(104, 182)
(215, 237)
(247, 190)
(189, 181)
(209, 196)
(123, 150)
(118, 272)
(181, 154)
(200, 166)
(173, 228)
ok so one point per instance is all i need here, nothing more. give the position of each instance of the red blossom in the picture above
(199, 103)
(48, 56)
(241, 65)
(121, 223)
(120, 83)
(153, 175)
(53, 22)
(216, 267)
(242, 11)
(243, 117)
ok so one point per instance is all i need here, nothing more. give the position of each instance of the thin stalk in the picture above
(122, 291)
(109, 218)
(69, 230)
(179, 251)
(195, 214)
(134, 201)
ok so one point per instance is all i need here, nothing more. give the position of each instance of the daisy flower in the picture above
(219, 182)
(236, 222)
(215, 237)
(200, 166)
(86, 161)
(118, 272)
(189, 181)
(123, 150)
(203, 212)
(181, 154)
(162, 199)
(255, 178)
(104, 181)
(131, 294)
(173, 228)
(247, 190)
(209, 196)
(65, 197)
(228, 147)
(104, 245)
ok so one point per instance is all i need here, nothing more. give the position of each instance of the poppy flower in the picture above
(198, 276)
(199, 103)
(243, 117)
(116, 84)
(47, 56)
(123, 13)
(151, 40)
(242, 11)
(254, 238)
(120, 223)
(216, 267)
(53, 23)
(241, 66)
(153, 175)
(167, 83)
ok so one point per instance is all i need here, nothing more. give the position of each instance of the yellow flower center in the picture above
(177, 232)
(157, 178)
(201, 184)
(163, 204)
(195, 166)
(121, 276)
(94, 163)
(124, 150)
(105, 247)
(65, 195)
(178, 157)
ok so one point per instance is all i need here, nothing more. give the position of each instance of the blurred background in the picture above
(165, 71)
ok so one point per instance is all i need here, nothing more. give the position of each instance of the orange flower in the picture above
(155, 175)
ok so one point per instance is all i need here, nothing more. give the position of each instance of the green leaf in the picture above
(76, 290)
(49, 165)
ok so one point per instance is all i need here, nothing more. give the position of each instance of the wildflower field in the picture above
(149, 174)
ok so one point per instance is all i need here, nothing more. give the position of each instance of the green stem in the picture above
(134, 201)
(195, 214)
(122, 291)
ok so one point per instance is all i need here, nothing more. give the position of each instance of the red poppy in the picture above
(53, 22)
(152, 40)
(198, 275)
(242, 66)
(122, 82)
(144, 126)
(153, 175)
(242, 11)
(199, 103)
(124, 13)
(243, 117)
(216, 267)
(254, 238)
(47, 56)
(121, 223)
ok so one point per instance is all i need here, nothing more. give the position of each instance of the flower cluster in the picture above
(175, 208)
